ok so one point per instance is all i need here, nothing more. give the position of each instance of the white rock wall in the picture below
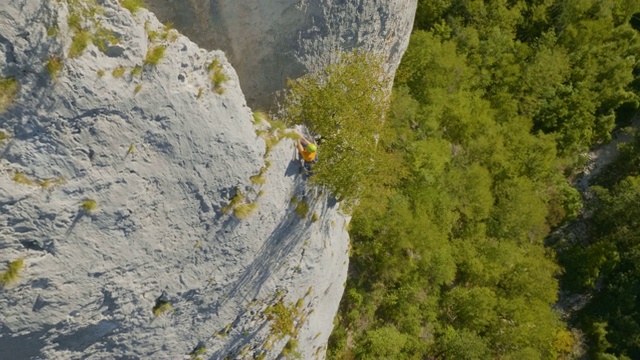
(268, 41)
(91, 279)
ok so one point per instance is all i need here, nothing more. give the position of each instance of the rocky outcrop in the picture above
(270, 41)
(116, 189)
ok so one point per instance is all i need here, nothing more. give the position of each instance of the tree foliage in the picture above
(492, 103)
(608, 267)
(345, 104)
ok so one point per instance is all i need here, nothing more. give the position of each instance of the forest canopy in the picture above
(492, 105)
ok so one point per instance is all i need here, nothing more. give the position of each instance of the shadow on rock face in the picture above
(25, 346)
(86, 336)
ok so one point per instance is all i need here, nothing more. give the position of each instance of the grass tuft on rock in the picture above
(89, 205)
(243, 211)
(21, 178)
(154, 55)
(161, 307)
(102, 38)
(74, 21)
(136, 71)
(118, 72)
(8, 91)
(54, 65)
(199, 350)
(132, 5)
(302, 209)
(12, 274)
(258, 179)
(217, 76)
(79, 43)
(4, 136)
(260, 118)
(237, 200)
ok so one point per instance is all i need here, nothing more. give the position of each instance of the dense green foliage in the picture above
(345, 105)
(492, 103)
(607, 263)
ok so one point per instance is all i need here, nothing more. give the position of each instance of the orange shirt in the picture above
(308, 156)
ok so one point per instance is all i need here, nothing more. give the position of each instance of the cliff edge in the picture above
(268, 42)
(139, 209)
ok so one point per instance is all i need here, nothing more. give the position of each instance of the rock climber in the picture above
(307, 149)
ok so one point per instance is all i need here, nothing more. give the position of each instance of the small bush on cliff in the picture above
(118, 72)
(199, 350)
(8, 91)
(217, 76)
(10, 276)
(79, 43)
(136, 71)
(154, 55)
(54, 65)
(161, 307)
(89, 205)
(235, 201)
(302, 208)
(4, 136)
(132, 5)
(21, 178)
(244, 210)
(282, 319)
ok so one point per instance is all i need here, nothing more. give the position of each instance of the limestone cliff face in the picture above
(161, 151)
(268, 41)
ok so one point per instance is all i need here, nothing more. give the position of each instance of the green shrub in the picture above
(100, 73)
(75, 21)
(89, 205)
(302, 209)
(290, 349)
(12, 274)
(346, 104)
(79, 43)
(54, 65)
(137, 89)
(314, 217)
(48, 183)
(244, 210)
(132, 5)
(102, 38)
(152, 35)
(154, 55)
(118, 72)
(236, 200)
(199, 350)
(258, 179)
(168, 33)
(21, 178)
(136, 71)
(4, 136)
(161, 307)
(282, 319)
(52, 31)
(200, 91)
(260, 118)
(8, 91)
(217, 76)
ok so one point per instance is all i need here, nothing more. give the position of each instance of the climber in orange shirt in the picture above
(306, 148)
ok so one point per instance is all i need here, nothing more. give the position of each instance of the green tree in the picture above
(346, 106)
